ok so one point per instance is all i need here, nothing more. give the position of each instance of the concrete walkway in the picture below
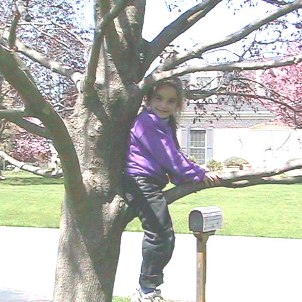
(240, 269)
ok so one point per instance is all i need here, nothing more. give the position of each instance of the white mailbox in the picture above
(204, 222)
(205, 219)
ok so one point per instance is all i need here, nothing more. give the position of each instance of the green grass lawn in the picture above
(263, 210)
(29, 200)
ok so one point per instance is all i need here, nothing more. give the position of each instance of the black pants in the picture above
(148, 200)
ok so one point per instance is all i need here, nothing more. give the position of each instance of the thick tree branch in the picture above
(8, 114)
(16, 73)
(176, 28)
(32, 169)
(17, 117)
(252, 65)
(240, 179)
(276, 2)
(31, 127)
(12, 31)
(45, 61)
(98, 39)
(272, 180)
(23, 11)
(230, 39)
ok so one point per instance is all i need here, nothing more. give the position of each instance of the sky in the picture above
(216, 25)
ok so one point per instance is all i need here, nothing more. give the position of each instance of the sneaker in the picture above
(154, 296)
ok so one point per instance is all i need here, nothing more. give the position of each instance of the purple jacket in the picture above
(153, 152)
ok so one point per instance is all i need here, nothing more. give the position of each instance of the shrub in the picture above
(235, 161)
(214, 165)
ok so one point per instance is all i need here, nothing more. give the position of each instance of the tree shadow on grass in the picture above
(30, 180)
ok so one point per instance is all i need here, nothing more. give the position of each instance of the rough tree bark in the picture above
(91, 147)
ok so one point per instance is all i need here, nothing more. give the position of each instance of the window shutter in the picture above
(182, 136)
(210, 143)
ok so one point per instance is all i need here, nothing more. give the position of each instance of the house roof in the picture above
(226, 105)
(192, 120)
(225, 114)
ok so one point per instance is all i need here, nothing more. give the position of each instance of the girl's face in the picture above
(164, 101)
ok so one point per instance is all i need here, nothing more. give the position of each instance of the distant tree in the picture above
(109, 83)
(30, 149)
(277, 89)
(283, 88)
(43, 35)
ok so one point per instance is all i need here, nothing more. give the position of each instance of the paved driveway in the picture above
(240, 269)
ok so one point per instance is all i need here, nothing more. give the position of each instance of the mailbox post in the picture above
(203, 222)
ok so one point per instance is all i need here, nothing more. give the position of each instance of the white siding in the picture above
(261, 147)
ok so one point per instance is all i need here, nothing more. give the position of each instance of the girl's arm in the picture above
(162, 148)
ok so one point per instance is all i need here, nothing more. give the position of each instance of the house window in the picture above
(197, 145)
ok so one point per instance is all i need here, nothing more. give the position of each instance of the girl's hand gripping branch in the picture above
(211, 179)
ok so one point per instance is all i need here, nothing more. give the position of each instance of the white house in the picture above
(249, 133)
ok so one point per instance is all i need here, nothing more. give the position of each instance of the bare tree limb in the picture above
(272, 180)
(12, 31)
(32, 169)
(45, 61)
(276, 2)
(17, 117)
(23, 11)
(240, 179)
(77, 37)
(176, 28)
(258, 97)
(98, 40)
(31, 127)
(8, 114)
(252, 65)
(232, 38)
(55, 39)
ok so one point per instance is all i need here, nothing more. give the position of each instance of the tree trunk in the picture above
(93, 221)
(88, 251)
